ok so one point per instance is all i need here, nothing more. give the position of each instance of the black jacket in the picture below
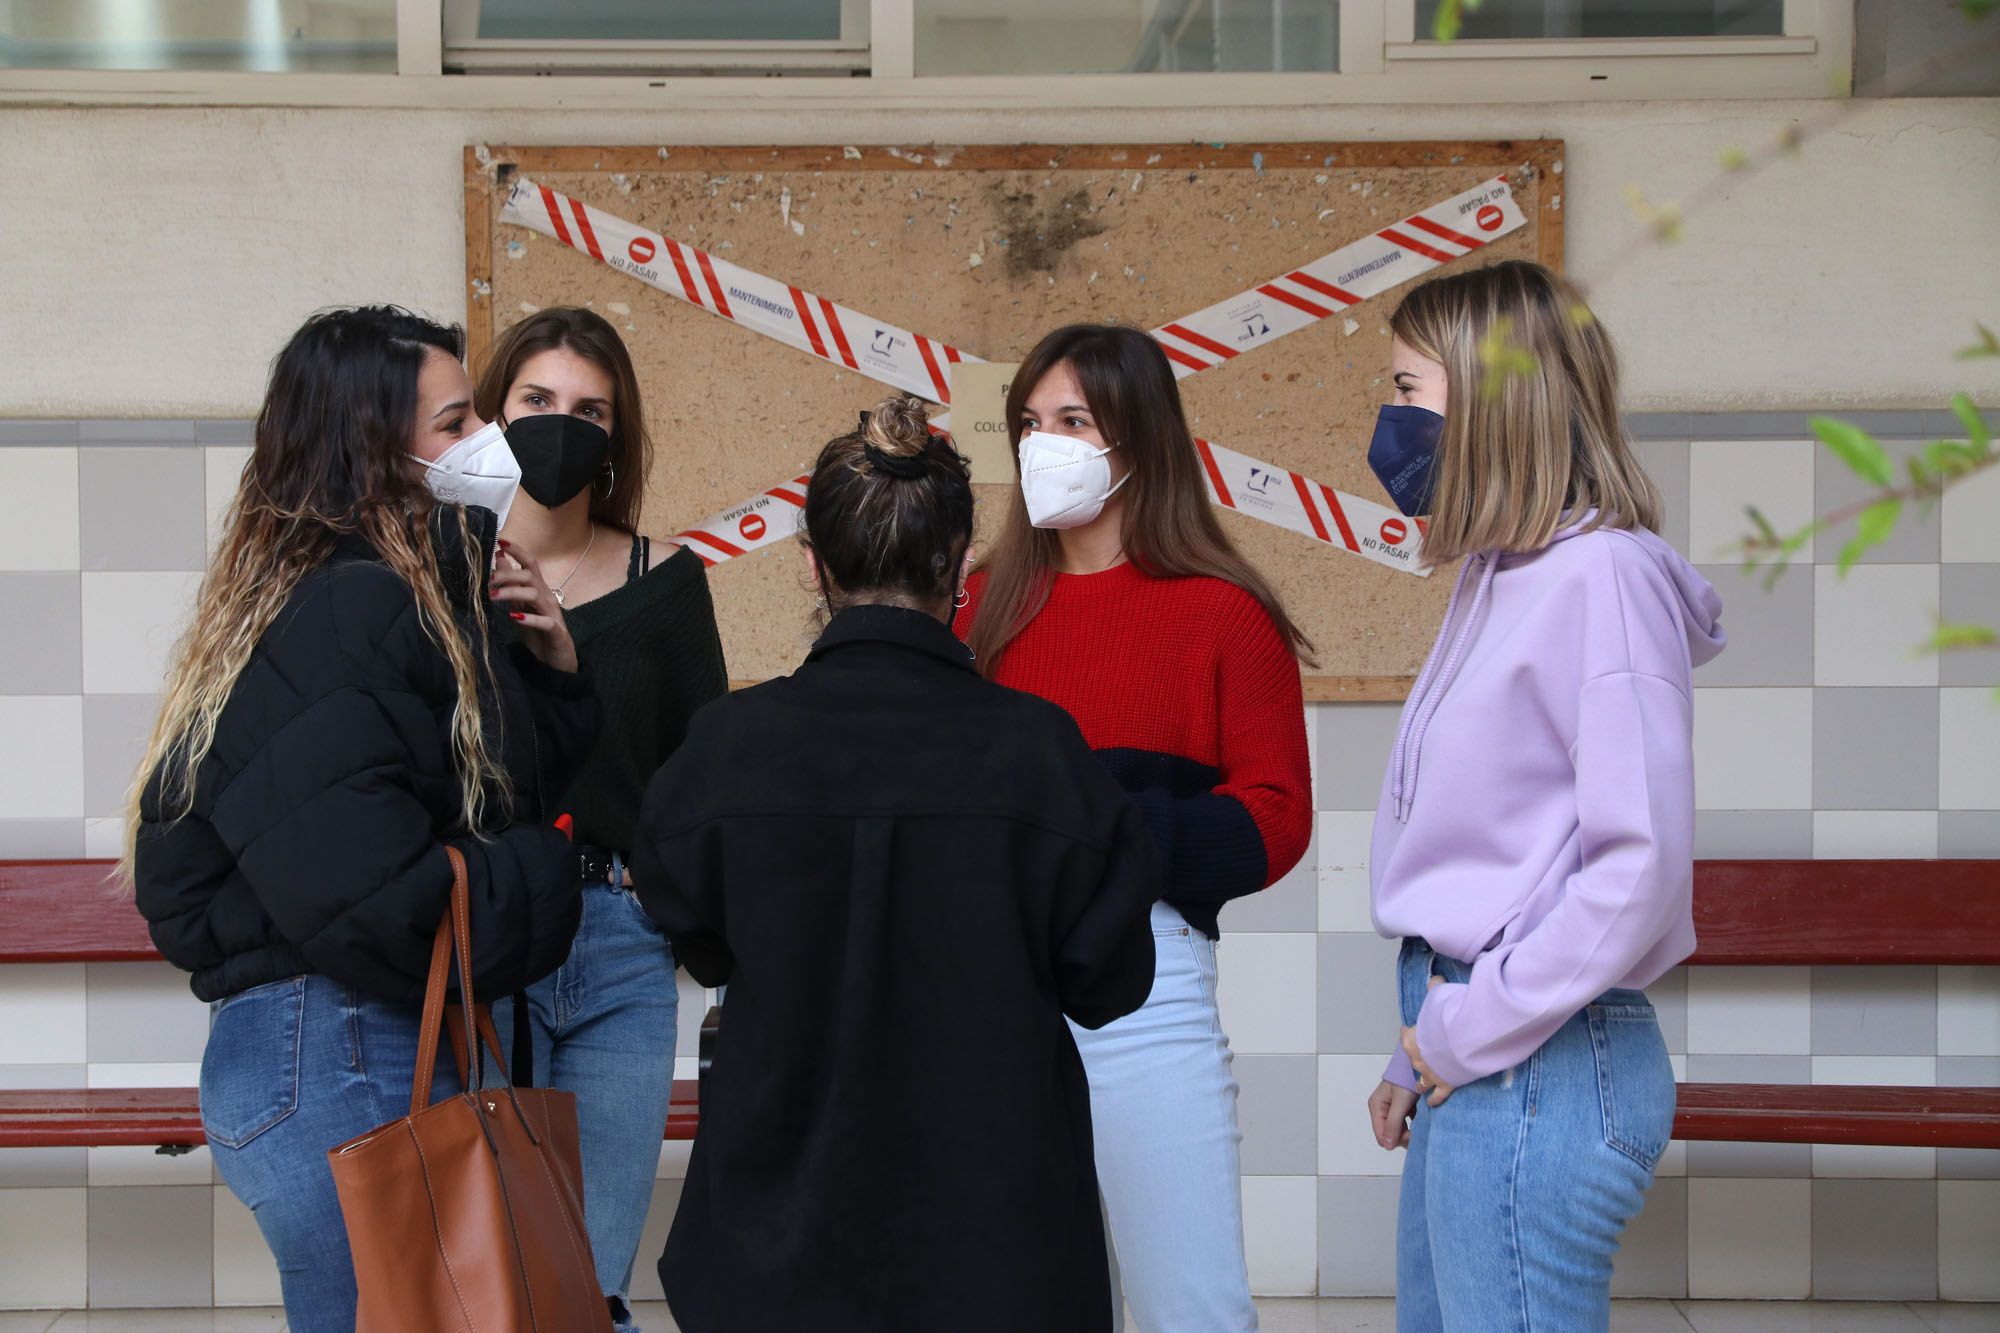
(908, 876)
(316, 838)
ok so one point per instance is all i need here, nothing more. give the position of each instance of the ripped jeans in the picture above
(1517, 1188)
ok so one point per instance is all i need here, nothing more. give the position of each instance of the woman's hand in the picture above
(1389, 1112)
(518, 588)
(1427, 1079)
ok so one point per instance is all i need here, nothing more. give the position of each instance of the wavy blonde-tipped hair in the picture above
(330, 461)
(1531, 424)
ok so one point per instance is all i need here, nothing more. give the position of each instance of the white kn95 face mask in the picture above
(479, 470)
(1064, 480)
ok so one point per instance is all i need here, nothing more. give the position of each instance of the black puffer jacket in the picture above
(316, 838)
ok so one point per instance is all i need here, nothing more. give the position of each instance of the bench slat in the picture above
(1791, 1113)
(69, 912)
(155, 1117)
(1798, 913)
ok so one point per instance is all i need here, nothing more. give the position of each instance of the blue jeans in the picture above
(1163, 1113)
(603, 1028)
(291, 1070)
(1516, 1189)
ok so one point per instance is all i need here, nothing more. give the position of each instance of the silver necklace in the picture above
(557, 591)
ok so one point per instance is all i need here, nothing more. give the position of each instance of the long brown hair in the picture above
(590, 336)
(1170, 526)
(1531, 425)
(330, 460)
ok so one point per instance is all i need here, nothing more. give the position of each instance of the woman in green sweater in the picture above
(561, 384)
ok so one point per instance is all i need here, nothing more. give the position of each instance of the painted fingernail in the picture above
(518, 615)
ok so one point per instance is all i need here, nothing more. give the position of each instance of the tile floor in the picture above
(1278, 1316)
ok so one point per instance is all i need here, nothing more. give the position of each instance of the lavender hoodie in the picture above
(1537, 818)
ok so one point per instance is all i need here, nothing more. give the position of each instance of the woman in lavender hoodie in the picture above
(1534, 844)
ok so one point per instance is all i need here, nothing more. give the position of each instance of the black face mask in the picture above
(559, 455)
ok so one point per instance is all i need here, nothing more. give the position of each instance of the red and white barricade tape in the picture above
(917, 364)
(832, 332)
(1311, 508)
(1333, 282)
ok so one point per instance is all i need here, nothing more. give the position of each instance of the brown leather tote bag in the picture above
(466, 1216)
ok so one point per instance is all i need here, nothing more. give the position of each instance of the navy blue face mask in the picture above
(1402, 452)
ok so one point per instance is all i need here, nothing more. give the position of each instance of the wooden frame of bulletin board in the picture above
(988, 248)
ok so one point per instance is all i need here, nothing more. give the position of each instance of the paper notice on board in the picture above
(979, 418)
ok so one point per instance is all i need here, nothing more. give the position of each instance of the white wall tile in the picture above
(1724, 476)
(1867, 626)
(1753, 749)
(1344, 836)
(1749, 1239)
(41, 755)
(222, 469)
(1970, 532)
(1968, 1011)
(123, 1074)
(42, 1014)
(104, 836)
(130, 622)
(1267, 992)
(1749, 1011)
(44, 522)
(1848, 1161)
(1347, 1144)
(245, 1272)
(1281, 1234)
(1857, 835)
(1969, 1241)
(1968, 749)
(144, 1166)
(44, 1262)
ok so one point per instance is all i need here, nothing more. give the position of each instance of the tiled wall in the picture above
(1818, 733)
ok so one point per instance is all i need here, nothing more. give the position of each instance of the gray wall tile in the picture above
(1358, 1009)
(1874, 1010)
(1653, 1253)
(1875, 748)
(152, 1246)
(1278, 1109)
(1874, 1240)
(16, 1077)
(40, 839)
(107, 431)
(1970, 594)
(141, 1012)
(44, 1168)
(1670, 998)
(142, 508)
(38, 432)
(1354, 745)
(1770, 629)
(1754, 1161)
(233, 431)
(1357, 1235)
(1734, 835)
(1915, 540)
(115, 728)
(1969, 833)
(1666, 462)
(1290, 904)
(1968, 1071)
(1751, 425)
(1943, 423)
(41, 651)
(1659, 425)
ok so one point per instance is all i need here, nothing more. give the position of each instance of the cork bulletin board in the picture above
(989, 248)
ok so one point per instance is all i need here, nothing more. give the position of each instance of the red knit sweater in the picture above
(1191, 697)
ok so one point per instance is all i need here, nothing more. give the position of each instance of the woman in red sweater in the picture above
(1114, 592)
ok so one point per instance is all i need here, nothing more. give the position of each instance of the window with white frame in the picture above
(268, 36)
(663, 37)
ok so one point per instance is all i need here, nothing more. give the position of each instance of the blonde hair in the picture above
(326, 464)
(1531, 430)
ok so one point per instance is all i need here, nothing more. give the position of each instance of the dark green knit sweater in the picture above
(655, 657)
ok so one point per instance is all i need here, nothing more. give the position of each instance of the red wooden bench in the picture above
(68, 912)
(1805, 913)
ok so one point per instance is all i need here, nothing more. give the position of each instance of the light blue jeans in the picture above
(1516, 1189)
(291, 1070)
(1163, 1113)
(603, 1026)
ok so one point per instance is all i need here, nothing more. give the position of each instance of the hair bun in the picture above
(899, 426)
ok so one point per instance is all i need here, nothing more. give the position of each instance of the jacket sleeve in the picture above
(1104, 960)
(1252, 827)
(676, 875)
(564, 710)
(698, 675)
(327, 829)
(1630, 899)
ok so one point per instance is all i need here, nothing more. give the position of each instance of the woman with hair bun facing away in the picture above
(909, 877)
